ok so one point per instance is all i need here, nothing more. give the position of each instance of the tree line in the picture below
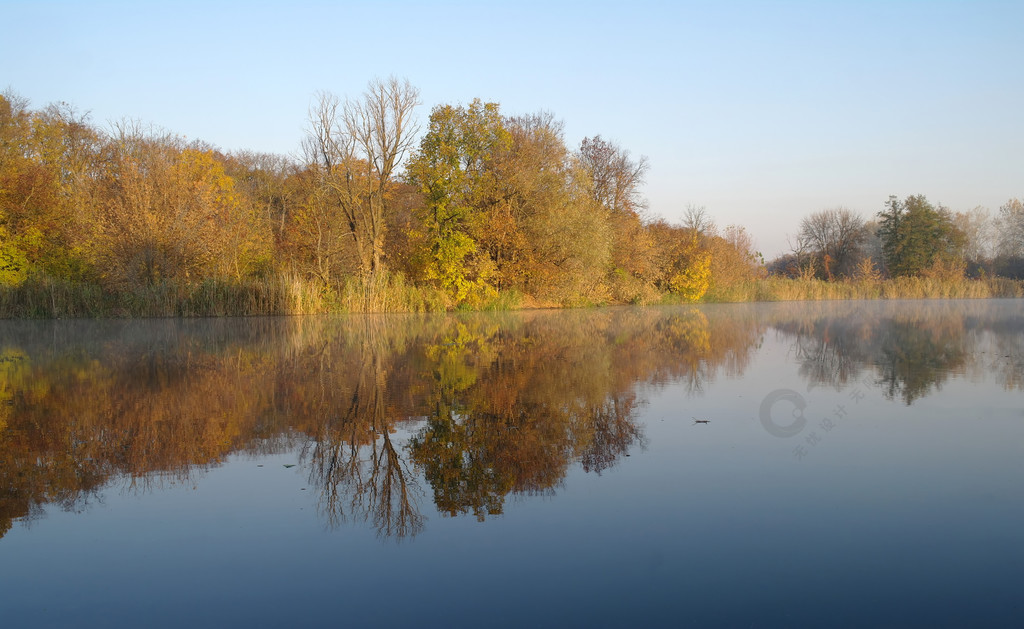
(478, 208)
(909, 237)
(476, 205)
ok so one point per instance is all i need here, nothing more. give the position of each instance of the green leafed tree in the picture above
(454, 171)
(916, 235)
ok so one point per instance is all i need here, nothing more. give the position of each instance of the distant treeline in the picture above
(478, 210)
(909, 238)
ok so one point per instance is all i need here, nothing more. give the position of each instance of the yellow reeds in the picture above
(292, 294)
(805, 289)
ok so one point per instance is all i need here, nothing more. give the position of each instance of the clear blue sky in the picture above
(761, 111)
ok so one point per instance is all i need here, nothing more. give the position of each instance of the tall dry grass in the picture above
(290, 294)
(282, 294)
(387, 292)
(49, 298)
(806, 289)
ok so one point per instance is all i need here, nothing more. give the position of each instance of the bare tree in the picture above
(1011, 229)
(698, 220)
(263, 177)
(835, 237)
(977, 227)
(355, 147)
(616, 177)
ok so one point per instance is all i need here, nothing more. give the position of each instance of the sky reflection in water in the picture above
(541, 468)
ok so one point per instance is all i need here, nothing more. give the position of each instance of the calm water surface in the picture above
(843, 464)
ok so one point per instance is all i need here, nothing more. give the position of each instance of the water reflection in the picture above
(908, 350)
(389, 412)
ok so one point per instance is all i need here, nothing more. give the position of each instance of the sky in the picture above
(761, 112)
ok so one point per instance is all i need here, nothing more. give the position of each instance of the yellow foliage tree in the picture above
(693, 277)
(170, 212)
(13, 262)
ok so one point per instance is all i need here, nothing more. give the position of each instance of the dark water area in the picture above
(769, 465)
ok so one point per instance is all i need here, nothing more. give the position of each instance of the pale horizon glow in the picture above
(761, 112)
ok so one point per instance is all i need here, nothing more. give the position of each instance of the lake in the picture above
(748, 465)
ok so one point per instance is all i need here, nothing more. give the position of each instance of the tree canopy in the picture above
(481, 206)
(916, 235)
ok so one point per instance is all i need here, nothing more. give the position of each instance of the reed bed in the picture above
(286, 294)
(785, 289)
(387, 292)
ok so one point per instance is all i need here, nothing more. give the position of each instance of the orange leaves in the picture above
(171, 212)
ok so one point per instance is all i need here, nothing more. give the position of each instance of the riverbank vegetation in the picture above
(479, 209)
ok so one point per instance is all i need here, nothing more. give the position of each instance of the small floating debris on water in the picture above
(287, 465)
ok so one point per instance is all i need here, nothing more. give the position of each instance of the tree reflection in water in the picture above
(346, 416)
(906, 351)
(386, 410)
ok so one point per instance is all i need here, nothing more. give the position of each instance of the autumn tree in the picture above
(682, 262)
(566, 239)
(454, 170)
(168, 211)
(263, 179)
(15, 186)
(697, 257)
(48, 161)
(615, 176)
(615, 184)
(734, 258)
(316, 240)
(354, 148)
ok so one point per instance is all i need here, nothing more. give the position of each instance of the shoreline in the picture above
(283, 296)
